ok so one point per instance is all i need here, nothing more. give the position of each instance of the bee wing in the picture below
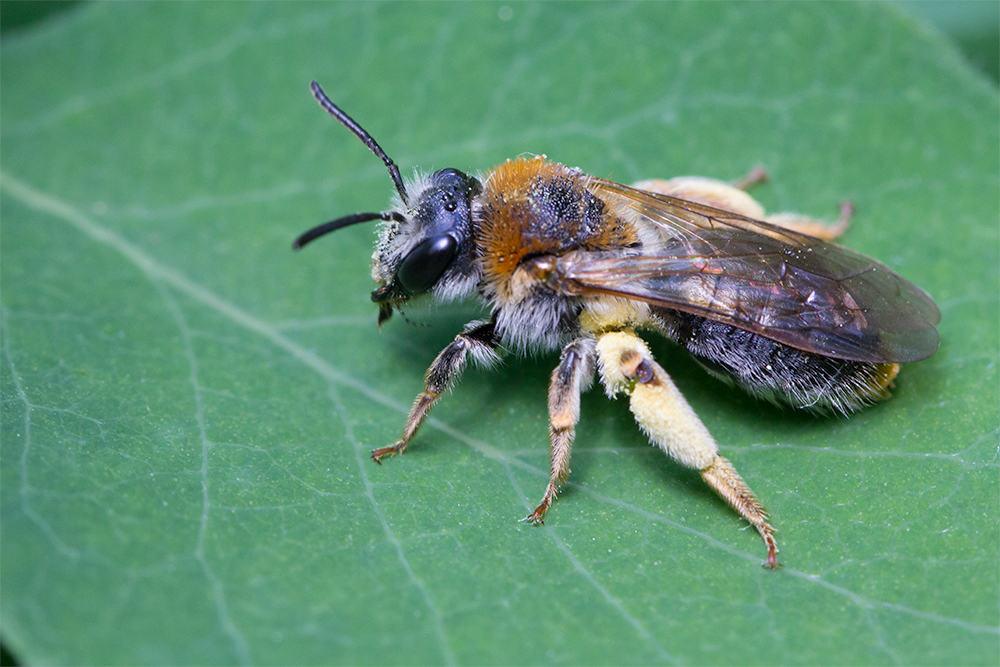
(786, 286)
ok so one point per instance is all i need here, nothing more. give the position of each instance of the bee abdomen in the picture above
(777, 372)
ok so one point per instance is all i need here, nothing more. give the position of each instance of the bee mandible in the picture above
(571, 262)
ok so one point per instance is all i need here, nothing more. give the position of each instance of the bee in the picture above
(571, 262)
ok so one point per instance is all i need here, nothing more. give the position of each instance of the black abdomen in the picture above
(777, 372)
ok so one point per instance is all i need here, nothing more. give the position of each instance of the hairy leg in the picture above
(571, 377)
(626, 365)
(478, 340)
(733, 197)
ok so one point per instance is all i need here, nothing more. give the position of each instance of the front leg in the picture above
(480, 341)
(572, 376)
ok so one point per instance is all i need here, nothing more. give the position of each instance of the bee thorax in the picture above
(531, 212)
(533, 207)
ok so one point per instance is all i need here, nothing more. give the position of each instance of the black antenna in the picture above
(360, 133)
(340, 223)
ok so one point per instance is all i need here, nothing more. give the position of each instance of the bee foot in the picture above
(772, 556)
(378, 454)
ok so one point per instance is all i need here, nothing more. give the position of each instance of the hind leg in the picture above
(733, 197)
(626, 365)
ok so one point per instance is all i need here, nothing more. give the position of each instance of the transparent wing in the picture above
(780, 284)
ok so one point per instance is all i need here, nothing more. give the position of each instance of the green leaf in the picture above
(188, 406)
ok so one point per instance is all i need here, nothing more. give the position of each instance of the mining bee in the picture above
(577, 263)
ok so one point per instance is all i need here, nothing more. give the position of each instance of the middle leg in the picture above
(569, 380)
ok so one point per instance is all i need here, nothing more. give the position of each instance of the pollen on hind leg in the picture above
(671, 424)
(657, 405)
(708, 191)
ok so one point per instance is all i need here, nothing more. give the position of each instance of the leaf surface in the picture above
(188, 406)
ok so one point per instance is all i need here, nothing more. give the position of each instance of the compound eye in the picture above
(427, 262)
(450, 178)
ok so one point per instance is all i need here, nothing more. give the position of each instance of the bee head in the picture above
(425, 243)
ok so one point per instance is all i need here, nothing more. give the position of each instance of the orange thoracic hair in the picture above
(535, 207)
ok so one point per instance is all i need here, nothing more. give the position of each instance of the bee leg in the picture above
(626, 365)
(571, 377)
(757, 175)
(732, 197)
(479, 340)
(812, 227)
(707, 191)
